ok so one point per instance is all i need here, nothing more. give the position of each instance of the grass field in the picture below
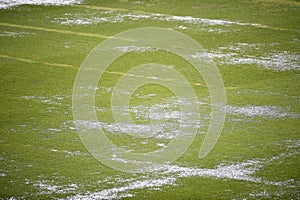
(256, 47)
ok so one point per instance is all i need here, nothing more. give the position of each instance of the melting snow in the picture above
(14, 34)
(263, 111)
(121, 192)
(134, 49)
(75, 153)
(181, 27)
(279, 61)
(48, 187)
(155, 130)
(2, 174)
(4, 4)
(54, 100)
(165, 118)
(236, 54)
(82, 19)
(168, 175)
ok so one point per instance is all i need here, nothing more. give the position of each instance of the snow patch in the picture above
(14, 34)
(75, 153)
(263, 111)
(117, 187)
(4, 4)
(167, 175)
(49, 187)
(134, 49)
(111, 17)
(122, 192)
(165, 120)
(54, 100)
(241, 54)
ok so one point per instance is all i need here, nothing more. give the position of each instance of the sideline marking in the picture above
(37, 62)
(59, 31)
(71, 66)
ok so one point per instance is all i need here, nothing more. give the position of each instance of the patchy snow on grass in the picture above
(117, 187)
(118, 17)
(167, 175)
(123, 191)
(54, 100)
(14, 34)
(145, 96)
(54, 130)
(263, 194)
(2, 174)
(88, 21)
(139, 130)
(181, 27)
(75, 153)
(242, 54)
(195, 20)
(126, 49)
(165, 118)
(49, 187)
(278, 61)
(263, 111)
(238, 171)
(4, 4)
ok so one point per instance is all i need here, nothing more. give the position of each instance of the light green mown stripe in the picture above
(56, 31)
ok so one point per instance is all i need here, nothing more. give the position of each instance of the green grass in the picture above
(39, 147)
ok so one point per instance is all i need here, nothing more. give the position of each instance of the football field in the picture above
(166, 128)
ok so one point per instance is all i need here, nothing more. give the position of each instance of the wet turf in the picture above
(255, 45)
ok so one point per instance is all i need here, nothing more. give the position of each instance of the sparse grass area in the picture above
(255, 45)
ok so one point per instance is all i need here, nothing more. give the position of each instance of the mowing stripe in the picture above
(60, 31)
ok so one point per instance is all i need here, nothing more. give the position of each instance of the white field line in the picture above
(60, 31)
(72, 66)
(36, 62)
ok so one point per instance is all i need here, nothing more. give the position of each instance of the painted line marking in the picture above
(60, 31)
(37, 62)
(66, 65)
(71, 66)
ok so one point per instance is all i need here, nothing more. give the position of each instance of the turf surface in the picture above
(255, 45)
